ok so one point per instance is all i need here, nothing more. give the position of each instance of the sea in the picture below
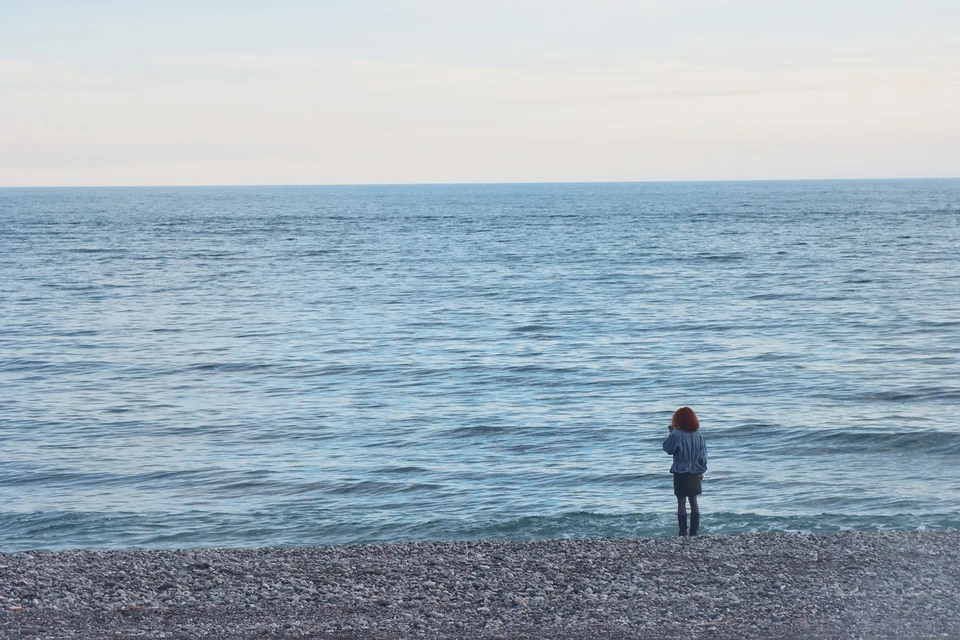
(299, 365)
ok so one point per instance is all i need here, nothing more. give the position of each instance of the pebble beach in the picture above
(851, 584)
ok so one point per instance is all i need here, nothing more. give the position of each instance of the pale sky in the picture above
(403, 91)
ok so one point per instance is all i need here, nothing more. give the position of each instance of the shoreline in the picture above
(891, 584)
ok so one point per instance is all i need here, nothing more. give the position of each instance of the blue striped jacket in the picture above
(689, 451)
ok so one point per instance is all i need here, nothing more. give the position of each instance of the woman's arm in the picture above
(670, 444)
(703, 457)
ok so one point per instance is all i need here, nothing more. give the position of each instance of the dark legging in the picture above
(682, 514)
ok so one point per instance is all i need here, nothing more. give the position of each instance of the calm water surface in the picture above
(184, 367)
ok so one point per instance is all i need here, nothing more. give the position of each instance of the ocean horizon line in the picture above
(482, 183)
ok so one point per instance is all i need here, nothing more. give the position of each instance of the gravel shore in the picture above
(869, 585)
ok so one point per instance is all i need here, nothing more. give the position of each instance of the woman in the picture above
(685, 443)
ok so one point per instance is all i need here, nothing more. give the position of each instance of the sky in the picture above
(429, 91)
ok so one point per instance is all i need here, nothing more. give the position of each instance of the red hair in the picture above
(685, 419)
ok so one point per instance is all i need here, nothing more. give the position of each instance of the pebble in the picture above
(894, 584)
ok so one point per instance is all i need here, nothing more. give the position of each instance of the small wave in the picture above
(26, 364)
(939, 323)
(717, 257)
(850, 440)
(899, 395)
(77, 333)
(475, 431)
(378, 487)
(404, 470)
(73, 287)
(620, 478)
(532, 328)
(774, 357)
(214, 254)
(231, 366)
(704, 327)
(927, 441)
(95, 250)
(73, 368)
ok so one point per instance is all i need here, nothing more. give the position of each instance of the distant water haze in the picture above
(244, 366)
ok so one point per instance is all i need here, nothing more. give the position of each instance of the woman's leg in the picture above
(682, 514)
(694, 515)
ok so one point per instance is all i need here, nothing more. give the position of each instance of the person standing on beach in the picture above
(685, 443)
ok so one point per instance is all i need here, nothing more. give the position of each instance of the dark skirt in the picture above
(686, 484)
